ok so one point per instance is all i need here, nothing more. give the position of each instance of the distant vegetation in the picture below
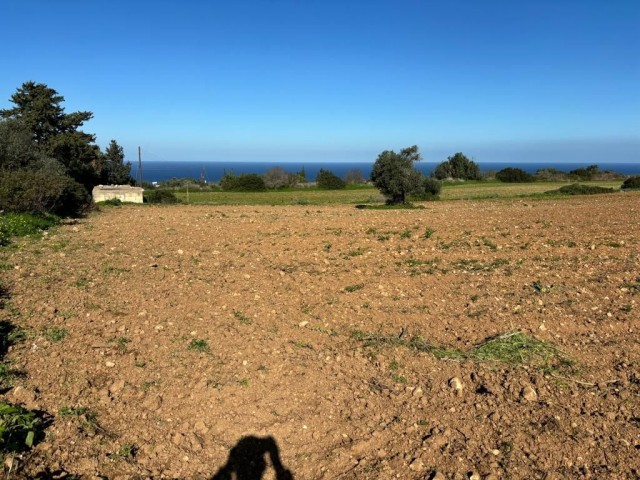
(577, 189)
(328, 180)
(514, 175)
(47, 163)
(631, 183)
(457, 167)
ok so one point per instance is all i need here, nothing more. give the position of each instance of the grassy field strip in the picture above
(311, 196)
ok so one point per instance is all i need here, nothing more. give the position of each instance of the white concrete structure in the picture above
(124, 193)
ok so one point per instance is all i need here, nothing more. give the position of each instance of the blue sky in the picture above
(307, 80)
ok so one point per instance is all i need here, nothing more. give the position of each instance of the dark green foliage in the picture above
(514, 175)
(429, 190)
(41, 191)
(549, 174)
(159, 195)
(47, 164)
(18, 427)
(243, 183)
(585, 174)
(395, 176)
(631, 183)
(114, 169)
(458, 167)
(577, 189)
(328, 180)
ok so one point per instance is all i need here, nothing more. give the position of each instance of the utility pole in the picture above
(139, 166)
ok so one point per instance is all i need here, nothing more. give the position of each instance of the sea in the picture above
(159, 171)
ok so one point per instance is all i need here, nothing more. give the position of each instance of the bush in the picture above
(160, 196)
(243, 183)
(329, 181)
(277, 177)
(41, 192)
(395, 176)
(458, 167)
(430, 190)
(631, 183)
(354, 176)
(514, 175)
(577, 189)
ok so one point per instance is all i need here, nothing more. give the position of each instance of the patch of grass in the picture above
(513, 348)
(244, 382)
(55, 334)
(632, 287)
(242, 318)
(8, 374)
(578, 189)
(356, 253)
(87, 418)
(23, 224)
(199, 345)
(405, 234)
(126, 452)
(428, 232)
(516, 348)
(18, 427)
(354, 288)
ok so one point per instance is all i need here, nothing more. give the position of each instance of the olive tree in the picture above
(395, 176)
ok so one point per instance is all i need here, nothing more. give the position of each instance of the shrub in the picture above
(41, 192)
(354, 176)
(160, 196)
(243, 183)
(458, 167)
(514, 175)
(430, 190)
(22, 224)
(577, 189)
(277, 177)
(631, 183)
(329, 181)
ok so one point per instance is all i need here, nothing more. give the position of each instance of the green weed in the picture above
(55, 334)
(199, 345)
(18, 427)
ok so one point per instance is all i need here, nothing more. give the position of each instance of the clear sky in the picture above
(311, 80)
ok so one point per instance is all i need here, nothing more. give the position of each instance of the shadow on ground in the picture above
(247, 460)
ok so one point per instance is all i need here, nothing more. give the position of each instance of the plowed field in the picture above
(487, 339)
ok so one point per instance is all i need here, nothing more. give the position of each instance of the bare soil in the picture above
(158, 339)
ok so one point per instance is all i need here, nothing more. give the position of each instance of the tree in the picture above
(56, 133)
(514, 175)
(328, 180)
(249, 182)
(114, 170)
(458, 167)
(395, 176)
(277, 177)
(354, 176)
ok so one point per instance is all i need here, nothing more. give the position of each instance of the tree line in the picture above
(48, 164)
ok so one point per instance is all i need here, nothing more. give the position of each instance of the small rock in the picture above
(437, 476)
(109, 364)
(180, 252)
(116, 387)
(456, 384)
(417, 392)
(303, 324)
(529, 394)
(416, 465)
(474, 476)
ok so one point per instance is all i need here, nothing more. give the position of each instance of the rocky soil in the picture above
(330, 342)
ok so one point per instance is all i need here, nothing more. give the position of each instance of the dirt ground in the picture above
(217, 342)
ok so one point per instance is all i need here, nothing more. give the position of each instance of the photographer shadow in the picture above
(247, 460)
